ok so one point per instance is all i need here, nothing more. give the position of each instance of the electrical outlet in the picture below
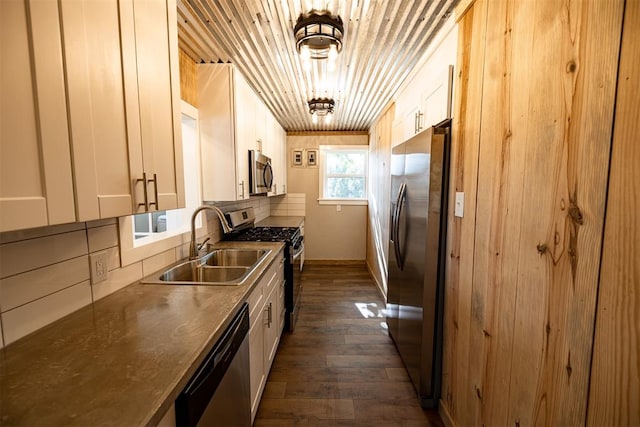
(459, 206)
(338, 208)
(99, 267)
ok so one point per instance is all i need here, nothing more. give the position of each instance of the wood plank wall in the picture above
(614, 397)
(188, 79)
(461, 399)
(535, 106)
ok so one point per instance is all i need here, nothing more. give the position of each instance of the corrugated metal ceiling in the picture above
(383, 41)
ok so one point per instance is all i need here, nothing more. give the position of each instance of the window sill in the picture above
(355, 202)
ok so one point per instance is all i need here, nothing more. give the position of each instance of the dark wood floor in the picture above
(339, 367)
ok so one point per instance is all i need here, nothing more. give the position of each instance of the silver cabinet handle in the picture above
(242, 185)
(419, 120)
(269, 315)
(155, 191)
(144, 186)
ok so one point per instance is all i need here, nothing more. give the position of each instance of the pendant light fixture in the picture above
(321, 107)
(319, 35)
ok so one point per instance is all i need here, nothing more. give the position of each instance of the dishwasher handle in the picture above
(205, 381)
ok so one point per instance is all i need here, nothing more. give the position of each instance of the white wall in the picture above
(329, 234)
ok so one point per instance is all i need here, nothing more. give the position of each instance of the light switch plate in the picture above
(99, 267)
(459, 208)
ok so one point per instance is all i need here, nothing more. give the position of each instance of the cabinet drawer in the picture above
(257, 298)
(255, 301)
(274, 275)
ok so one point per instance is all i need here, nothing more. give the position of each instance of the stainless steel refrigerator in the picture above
(415, 294)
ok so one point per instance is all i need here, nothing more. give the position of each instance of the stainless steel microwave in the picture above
(260, 173)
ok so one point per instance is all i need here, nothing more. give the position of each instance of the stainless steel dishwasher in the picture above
(218, 394)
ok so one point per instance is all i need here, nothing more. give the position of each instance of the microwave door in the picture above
(260, 173)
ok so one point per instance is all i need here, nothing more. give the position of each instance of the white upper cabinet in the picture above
(270, 148)
(156, 42)
(278, 159)
(262, 127)
(426, 99)
(233, 120)
(226, 109)
(437, 99)
(426, 102)
(90, 110)
(273, 147)
(123, 92)
(36, 187)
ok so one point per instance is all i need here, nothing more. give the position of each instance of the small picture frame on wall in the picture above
(312, 158)
(296, 157)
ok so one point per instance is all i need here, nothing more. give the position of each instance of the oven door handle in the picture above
(297, 254)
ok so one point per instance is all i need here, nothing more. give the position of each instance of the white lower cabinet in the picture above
(266, 308)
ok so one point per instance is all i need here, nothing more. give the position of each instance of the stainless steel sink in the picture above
(217, 268)
(233, 257)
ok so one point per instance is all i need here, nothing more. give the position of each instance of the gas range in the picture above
(267, 234)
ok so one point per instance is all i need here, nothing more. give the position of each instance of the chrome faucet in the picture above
(226, 228)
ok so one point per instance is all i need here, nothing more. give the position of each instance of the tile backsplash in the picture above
(292, 204)
(45, 272)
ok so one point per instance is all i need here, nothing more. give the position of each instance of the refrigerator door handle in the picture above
(396, 225)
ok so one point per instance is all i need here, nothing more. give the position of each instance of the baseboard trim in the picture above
(335, 262)
(378, 284)
(445, 415)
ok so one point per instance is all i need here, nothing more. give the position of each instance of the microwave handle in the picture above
(269, 176)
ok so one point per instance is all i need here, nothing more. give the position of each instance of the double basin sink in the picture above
(217, 267)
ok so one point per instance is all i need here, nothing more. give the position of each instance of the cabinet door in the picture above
(436, 103)
(156, 43)
(263, 123)
(256, 363)
(272, 331)
(103, 118)
(412, 122)
(217, 132)
(243, 111)
(36, 186)
(270, 145)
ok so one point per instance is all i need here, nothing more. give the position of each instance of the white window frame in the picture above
(322, 178)
(133, 251)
